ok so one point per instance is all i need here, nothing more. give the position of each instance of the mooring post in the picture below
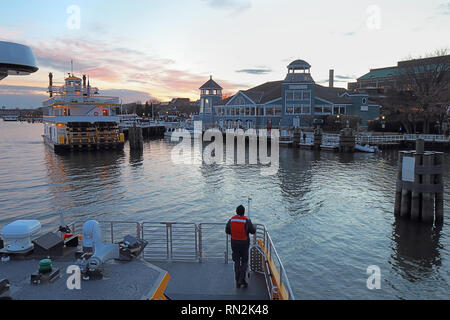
(398, 189)
(135, 137)
(347, 140)
(296, 137)
(317, 138)
(406, 178)
(416, 199)
(427, 197)
(439, 197)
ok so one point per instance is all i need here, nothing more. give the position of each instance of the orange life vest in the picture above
(238, 228)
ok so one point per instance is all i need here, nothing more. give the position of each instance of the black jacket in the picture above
(249, 228)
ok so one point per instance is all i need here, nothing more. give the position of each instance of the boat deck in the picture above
(210, 281)
(135, 280)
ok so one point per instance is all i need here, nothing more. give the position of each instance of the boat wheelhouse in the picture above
(79, 118)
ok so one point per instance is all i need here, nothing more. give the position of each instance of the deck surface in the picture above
(210, 281)
(135, 280)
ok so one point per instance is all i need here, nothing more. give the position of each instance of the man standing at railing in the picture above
(239, 228)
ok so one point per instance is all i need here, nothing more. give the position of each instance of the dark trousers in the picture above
(240, 258)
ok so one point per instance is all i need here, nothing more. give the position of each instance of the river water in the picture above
(329, 214)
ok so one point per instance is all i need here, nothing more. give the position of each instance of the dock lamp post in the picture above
(383, 122)
(338, 121)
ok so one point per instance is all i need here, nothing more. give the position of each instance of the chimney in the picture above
(50, 84)
(331, 83)
(84, 85)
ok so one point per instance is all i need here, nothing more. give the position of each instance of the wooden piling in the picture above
(347, 140)
(427, 197)
(439, 196)
(398, 190)
(416, 196)
(405, 209)
(135, 137)
(318, 133)
(296, 137)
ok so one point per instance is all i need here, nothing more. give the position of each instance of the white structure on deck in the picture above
(16, 59)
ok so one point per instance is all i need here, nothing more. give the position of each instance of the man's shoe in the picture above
(244, 283)
(238, 284)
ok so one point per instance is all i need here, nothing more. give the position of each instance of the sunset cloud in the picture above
(118, 66)
(32, 96)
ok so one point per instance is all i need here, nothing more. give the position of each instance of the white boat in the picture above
(128, 120)
(366, 148)
(11, 118)
(78, 118)
(286, 138)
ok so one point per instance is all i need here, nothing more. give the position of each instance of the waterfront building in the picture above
(378, 81)
(296, 101)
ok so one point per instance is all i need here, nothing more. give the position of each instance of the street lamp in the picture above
(383, 122)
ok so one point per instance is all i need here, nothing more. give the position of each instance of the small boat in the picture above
(11, 118)
(366, 148)
(286, 138)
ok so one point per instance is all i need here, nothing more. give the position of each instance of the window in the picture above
(322, 109)
(339, 110)
(289, 110)
(297, 95)
(306, 95)
(306, 110)
(260, 111)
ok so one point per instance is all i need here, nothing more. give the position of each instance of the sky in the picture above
(144, 50)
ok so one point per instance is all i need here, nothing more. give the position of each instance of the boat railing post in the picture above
(281, 273)
(200, 249)
(171, 241)
(226, 249)
(167, 242)
(112, 232)
(138, 230)
(196, 240)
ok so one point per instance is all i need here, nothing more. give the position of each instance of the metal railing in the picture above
(175, 241)
(392, 138)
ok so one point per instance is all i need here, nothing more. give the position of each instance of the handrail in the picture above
(184, 241)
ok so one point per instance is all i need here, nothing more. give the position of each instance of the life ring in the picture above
(96, 114)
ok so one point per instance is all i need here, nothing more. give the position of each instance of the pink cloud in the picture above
(120, 66)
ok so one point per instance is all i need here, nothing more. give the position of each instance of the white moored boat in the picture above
(11, 118)
(366, 148)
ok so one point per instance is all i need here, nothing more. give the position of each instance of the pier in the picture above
(330, 141)
(148, 129)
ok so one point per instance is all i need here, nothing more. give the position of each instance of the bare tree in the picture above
(422, 91)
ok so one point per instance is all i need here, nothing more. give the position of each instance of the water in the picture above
(329, 214)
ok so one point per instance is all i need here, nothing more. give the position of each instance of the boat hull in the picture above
(64, 148)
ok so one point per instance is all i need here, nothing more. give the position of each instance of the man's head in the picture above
(240, 211)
